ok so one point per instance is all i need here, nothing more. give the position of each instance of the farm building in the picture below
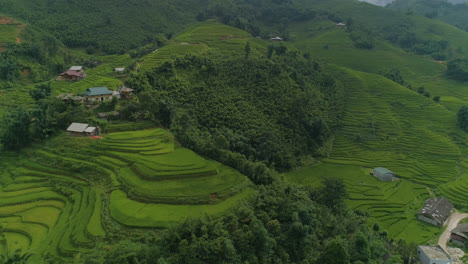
(459, 235)
(75, 73)
(383, 174)
(98, 94)
(341, 25)
(435, 211)
(80, 129)
(276, 39)
(433, 255)
(125, 92)
(119, 70)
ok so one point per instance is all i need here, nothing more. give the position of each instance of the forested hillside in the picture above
(234, 147)
(452, 12)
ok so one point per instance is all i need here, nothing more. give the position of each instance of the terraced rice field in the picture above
(391, 126)
(200, 38)
(55, 200)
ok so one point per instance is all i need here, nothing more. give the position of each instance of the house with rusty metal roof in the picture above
(435, 211)
(75, 73)
(459, 235)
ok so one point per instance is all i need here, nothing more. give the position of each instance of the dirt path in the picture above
(452, 222)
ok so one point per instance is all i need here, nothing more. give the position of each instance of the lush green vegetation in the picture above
(340, 99)
(69, 180)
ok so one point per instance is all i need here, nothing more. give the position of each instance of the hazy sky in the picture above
(384, 2)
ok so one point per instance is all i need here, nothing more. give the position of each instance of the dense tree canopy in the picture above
(254, 110)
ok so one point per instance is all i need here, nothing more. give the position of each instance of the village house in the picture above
(125, 92)
(98, 94)
(341, 25)
(459, 235)
(83, 130)
(119, 70)
(75, 73)
(435, 211)
(433, 255)
(383, 174)
(276, 39)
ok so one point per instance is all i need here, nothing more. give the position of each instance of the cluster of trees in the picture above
(23, 126)
(285, 224)
(458, 69)
(114, 27)
(40, 54)
(462, 118)
(447, 11)
(402, 35)
(245, 112)
(259, 17)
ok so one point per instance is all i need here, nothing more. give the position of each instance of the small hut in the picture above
(81, 129)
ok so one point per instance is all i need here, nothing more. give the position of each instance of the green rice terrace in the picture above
(58, 199)
(200, 38)
(388, 125)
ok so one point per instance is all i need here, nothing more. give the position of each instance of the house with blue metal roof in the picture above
(98, 94)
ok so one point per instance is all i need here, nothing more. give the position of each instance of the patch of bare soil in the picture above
(7, 21)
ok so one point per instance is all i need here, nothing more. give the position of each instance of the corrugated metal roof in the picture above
(90, 129)
(75, 68)
(119, 69)
(382, 171)
(437, 209)
(77, 127)
(97, 91)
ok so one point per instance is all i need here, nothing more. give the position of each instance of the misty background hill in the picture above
(385, 2)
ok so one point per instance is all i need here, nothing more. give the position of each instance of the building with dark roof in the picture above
(435, 211)
(98, 94)
(433, 255)
(459, 235)
(383, 174)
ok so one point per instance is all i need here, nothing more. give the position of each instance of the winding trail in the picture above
(452, 223)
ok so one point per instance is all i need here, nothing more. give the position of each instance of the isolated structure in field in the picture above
(435, 211)
(119, 70)
(433, 255)
(75, 73)
(383, 174)
(81, 129)
(459, 235)
(125, 92)
(340, 25)
(98, 94)
(276, 39)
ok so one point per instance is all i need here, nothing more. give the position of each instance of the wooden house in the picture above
(75, 73)
(126, 92)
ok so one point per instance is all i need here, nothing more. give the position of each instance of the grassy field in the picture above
(56, 194)
(8, 34)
